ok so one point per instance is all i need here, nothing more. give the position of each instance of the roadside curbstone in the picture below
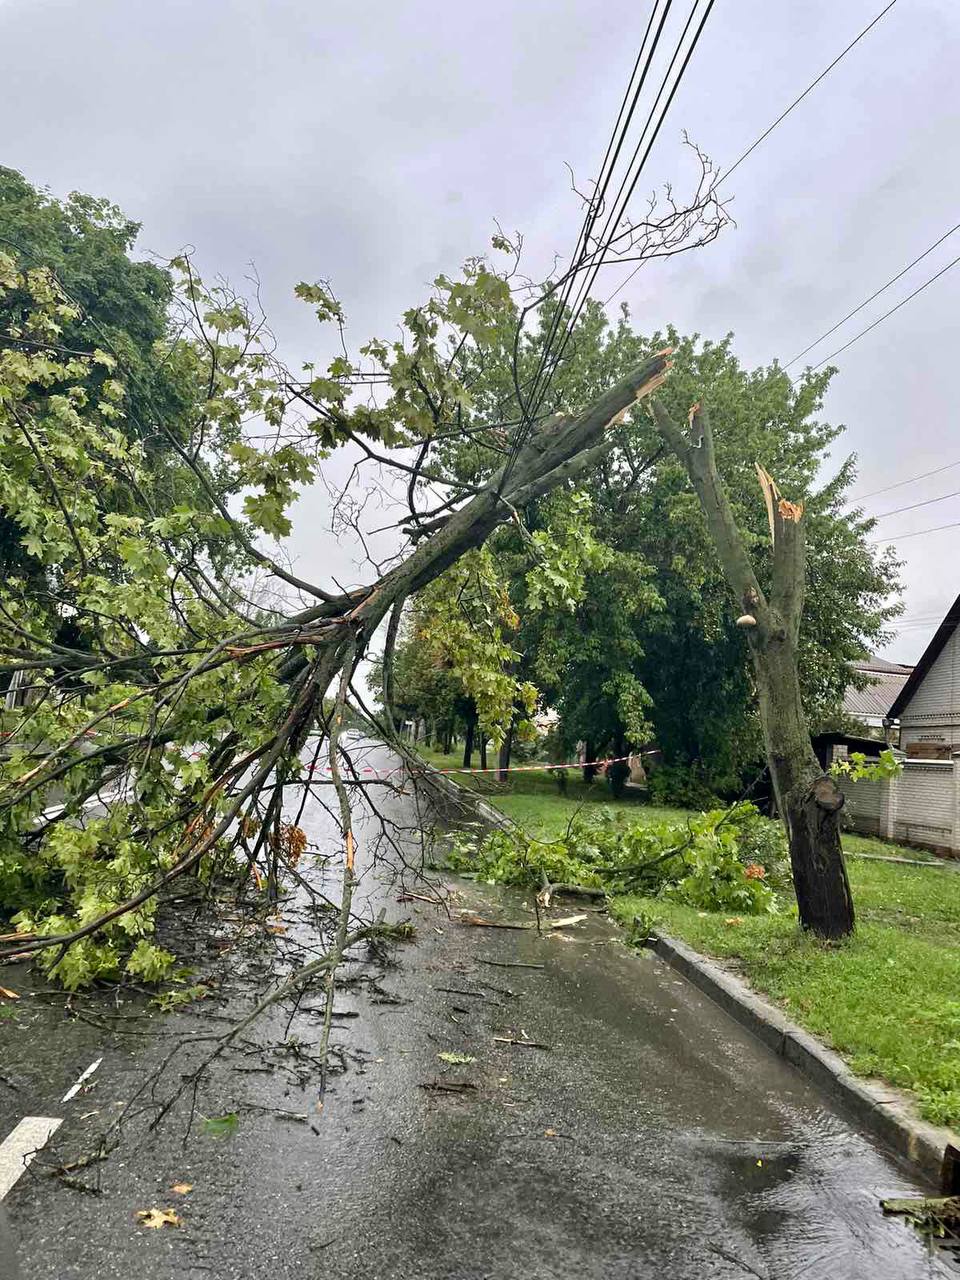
(882, 1111)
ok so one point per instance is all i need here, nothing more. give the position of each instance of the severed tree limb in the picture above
(349, 879)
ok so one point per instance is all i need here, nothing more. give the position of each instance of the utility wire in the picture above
(780, 118)
(916, 534)
(628, 185)
(886, 315)
(867, 301)
(810, 87)
(913, 506)
(862, 497)
(550, 360)
(596, 204)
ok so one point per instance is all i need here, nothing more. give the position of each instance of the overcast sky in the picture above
(375, 143)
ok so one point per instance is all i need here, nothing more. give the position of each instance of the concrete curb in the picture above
(882, 1111)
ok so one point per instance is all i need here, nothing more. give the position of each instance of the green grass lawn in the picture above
(888, 999)
(532, 798)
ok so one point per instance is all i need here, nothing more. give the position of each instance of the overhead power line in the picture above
(628, 106)
(810, 87)
(587, 261)
(928, 502)
(893, 280)
(780, 118)
(880, 319)
(918, 533)
(648, 138)
(862, 497)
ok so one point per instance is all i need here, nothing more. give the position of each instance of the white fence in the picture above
(920, 806)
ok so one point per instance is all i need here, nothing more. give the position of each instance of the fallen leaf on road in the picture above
(567, 920)
(181, 1188)
(549, 1133)
(157, 1218)
(457, 1059)
(221, 1126)
(10, 995)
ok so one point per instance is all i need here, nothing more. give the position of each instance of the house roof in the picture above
(881, 664)
(929, 657)
(875, 699)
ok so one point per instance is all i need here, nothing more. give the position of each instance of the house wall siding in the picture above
(933, 713)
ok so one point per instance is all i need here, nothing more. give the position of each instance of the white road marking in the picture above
(75, 1089)
(21, 1146)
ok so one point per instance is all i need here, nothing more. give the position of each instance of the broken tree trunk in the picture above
(503, 759)
(808, 799)
(468, 739)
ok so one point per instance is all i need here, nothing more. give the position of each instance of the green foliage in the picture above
(858, 768)
(71, 462)
(148, 961)
(456, 649)
(130, 402)
(626, 624)
(681, 786)
(706, 862)
(177, 997)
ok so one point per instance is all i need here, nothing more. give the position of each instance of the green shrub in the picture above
(679, 786)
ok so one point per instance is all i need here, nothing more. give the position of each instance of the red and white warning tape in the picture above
(516, 768)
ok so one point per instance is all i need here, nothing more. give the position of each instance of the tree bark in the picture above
(483, 749)
(468, 740)
(807, 798)
(503, 760)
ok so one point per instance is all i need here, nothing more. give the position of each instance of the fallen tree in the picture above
(181, 711)
(170, 673)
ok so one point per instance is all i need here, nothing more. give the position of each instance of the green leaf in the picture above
(224, 1126)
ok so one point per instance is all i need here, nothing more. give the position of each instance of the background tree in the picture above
(132, 312)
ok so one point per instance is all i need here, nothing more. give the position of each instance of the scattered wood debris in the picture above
(449, 1086)
(479, 922)
(524, 1043)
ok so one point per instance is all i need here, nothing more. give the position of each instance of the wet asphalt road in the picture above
(651, 1137)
